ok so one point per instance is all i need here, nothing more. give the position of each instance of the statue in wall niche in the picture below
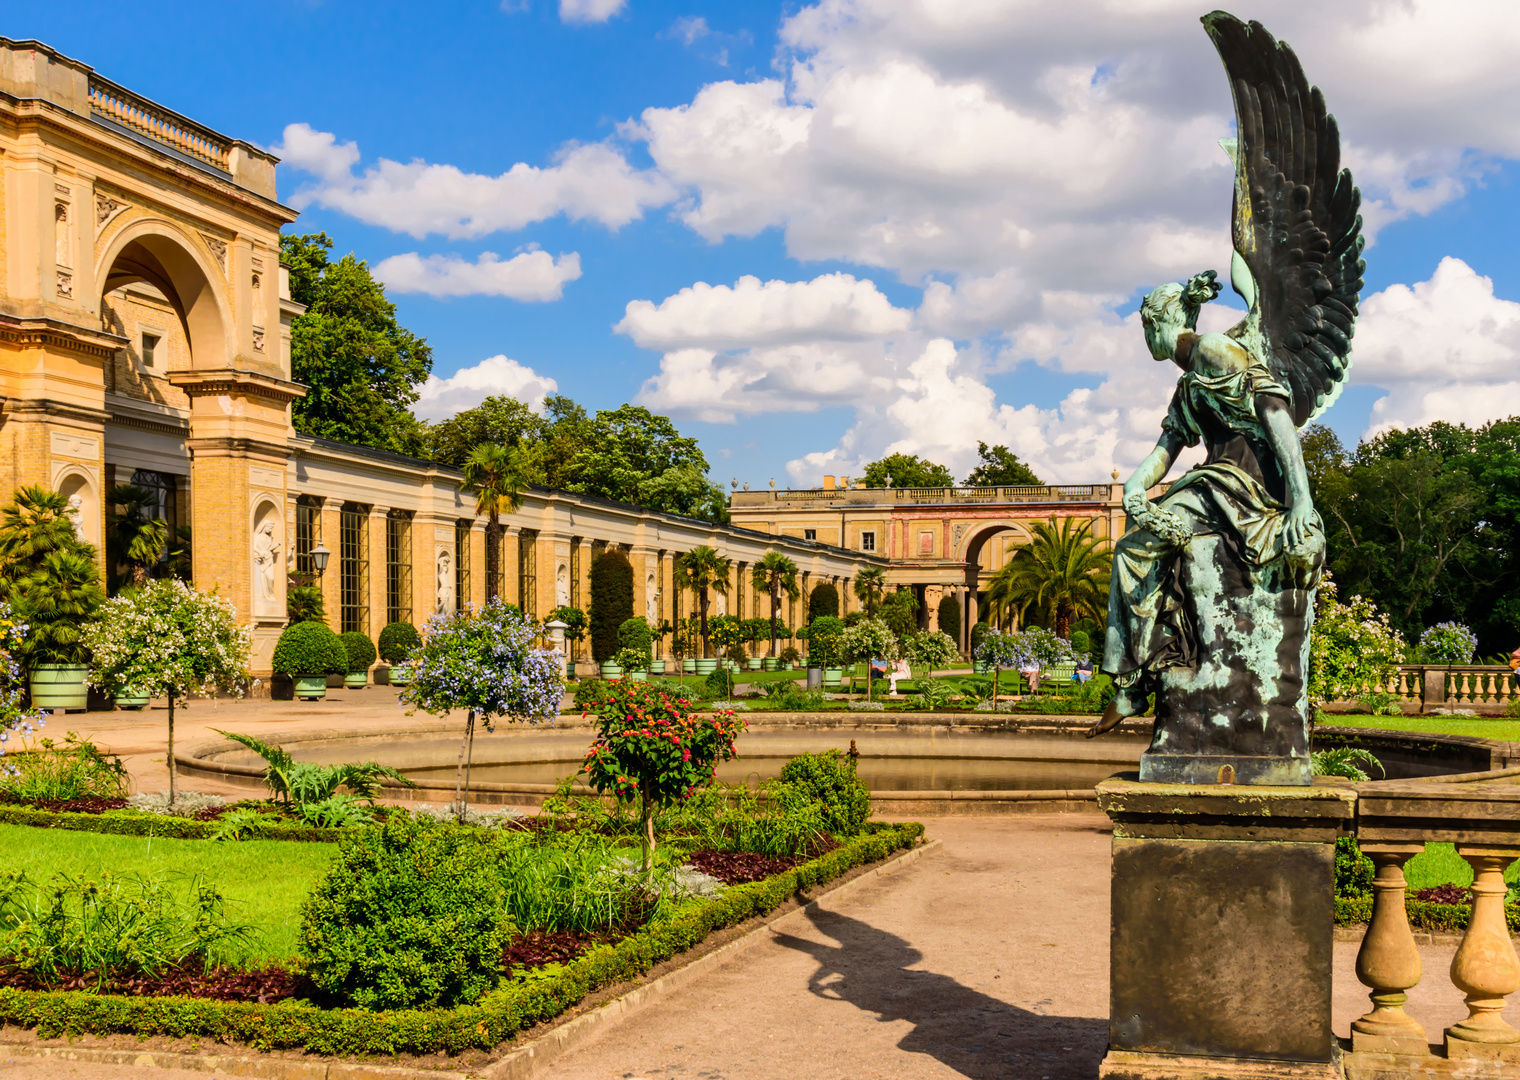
(1212, 595)
(445, 593)
(266, 557)
(75, 514)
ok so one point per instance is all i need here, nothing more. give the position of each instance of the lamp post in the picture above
(319, 557)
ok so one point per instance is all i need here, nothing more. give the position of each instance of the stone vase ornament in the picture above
(1213, 586)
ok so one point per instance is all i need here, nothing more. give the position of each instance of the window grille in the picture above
(527, 572)
(462, 530)
(398, 567)
(308, 535)
(353, 568)
(165, 508)
(575, 571)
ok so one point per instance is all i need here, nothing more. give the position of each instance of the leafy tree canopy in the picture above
(362, 367)
(500, 421)
(907, 470)
(1000, 467)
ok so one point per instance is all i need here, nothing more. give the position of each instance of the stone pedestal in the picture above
(1222, 928)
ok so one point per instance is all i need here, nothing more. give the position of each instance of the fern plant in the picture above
(303, 783)
(1346, 761)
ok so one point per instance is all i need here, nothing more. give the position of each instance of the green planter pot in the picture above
(311, 687)
(61, 687)
(656, 667)
(689, 666)
(707, 667)
(356, 680)
(131, 701)
(833, 676)
(770, 663)
(401, 676)
(638, 676)
(754, 663)
(610, 670)
(979, 667)
(569, 669)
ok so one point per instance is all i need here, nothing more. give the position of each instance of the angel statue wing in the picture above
(1297, 232)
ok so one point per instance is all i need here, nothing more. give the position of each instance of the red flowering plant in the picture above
(655, 748)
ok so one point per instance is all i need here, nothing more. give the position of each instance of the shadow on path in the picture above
(980, 1037)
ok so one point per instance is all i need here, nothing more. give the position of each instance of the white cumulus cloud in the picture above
(529, 276)
(498, 376)
(751, 314)
(591, 181)
(589, 11)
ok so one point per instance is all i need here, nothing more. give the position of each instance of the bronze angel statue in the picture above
(1212, 593)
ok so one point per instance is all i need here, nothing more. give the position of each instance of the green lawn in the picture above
(264, 881)
(1505, 730)
(1439, 864)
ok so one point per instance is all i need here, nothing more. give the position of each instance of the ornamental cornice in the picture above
(200, 382)
(46, 333)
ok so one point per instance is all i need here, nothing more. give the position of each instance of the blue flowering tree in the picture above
(488, 663)
(19, 722)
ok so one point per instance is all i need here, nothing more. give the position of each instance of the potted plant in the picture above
(824, 641)
(361, 654)
(487, 663)
(630, 662)
(657, 667)
(168, 639)
(53, 586)
(635, 646)
(790, 657)
(308, 652)
(397, 640)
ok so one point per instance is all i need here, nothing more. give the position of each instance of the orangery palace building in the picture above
(145, 337)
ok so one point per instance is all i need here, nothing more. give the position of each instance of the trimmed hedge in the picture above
(139, 823)
(397, 640)
(823, 600)
(950, 616)
(611, 601)
(309, 648)
(1422, 914)
(359, 649)
(499, 1016)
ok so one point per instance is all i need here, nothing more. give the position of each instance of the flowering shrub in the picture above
(652, 747)
(18, 722)
(932, 649)
(168, 640)
(824, 637)
(488, 663)
(868, 639)
(1448, 643)
(1352, 646)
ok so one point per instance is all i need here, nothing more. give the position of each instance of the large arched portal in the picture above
(984, 553)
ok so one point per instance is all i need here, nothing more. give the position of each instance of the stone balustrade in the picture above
(164, 126)
(1464, 686)
(1480, 814)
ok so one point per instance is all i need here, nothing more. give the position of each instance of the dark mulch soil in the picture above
(743, 867)
(263, 985)
(90, 805)
(1445, 894)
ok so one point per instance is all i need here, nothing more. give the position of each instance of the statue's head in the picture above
(1164, 316)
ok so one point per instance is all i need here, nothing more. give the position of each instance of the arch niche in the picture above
(1005, 531)
(266, 558)
(74, 481)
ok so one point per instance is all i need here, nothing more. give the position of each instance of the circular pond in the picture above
(902, 760)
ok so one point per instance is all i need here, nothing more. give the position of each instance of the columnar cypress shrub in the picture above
(950, 616)
(611, 601)
(823, 600)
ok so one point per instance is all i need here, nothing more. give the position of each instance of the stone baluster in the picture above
(1465, 694)
(1492, 694)
(1485, 968)
(1388, 961)
(1404, 685)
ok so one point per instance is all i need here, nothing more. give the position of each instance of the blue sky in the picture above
(960, 210)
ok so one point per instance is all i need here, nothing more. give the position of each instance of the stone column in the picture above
(1222, 923)
(1485, 967)
(1388, 961)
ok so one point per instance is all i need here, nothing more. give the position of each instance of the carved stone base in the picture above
(1474, 1063)
(1224, 769)
(1363, 1042)
(1129, 1065)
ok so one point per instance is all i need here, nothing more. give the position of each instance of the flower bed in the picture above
(495, 1018)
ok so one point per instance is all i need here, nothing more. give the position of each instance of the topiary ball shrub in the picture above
(823, 600)
(829, 779)
(397, 641)
(409, 915)
(636, 634)
(950, 616)
(361, 651)
(310, 648)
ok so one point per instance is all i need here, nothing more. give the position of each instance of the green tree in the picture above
(773, 575)
(633, 455)
(950, 616)
(1059, 576)
(907, 471)
(134, 540)
(870, 584)
(823, 600)
(361, 366)
(611, 601)
(566, 431)
(702, 570)
(502, 421)
(496, 473)
(1000, 467)
(48, 575)
(899, 610)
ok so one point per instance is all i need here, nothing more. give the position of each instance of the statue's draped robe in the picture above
(1218, 628)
